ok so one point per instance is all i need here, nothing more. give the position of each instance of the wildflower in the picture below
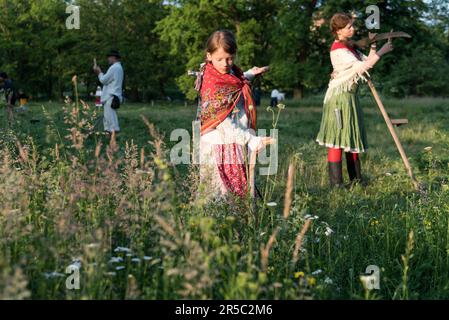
(116, 259)
(147, 258)
(272, 204)
(119, 268)
(137, 260)
(328, 281)
(311, 281)
(367, 281)
(75, 265)
(92, 245)
(299, 274)
(54, 274)
(317, 272)
(122, 249)
(427, 224)
(427, 148)
(139, 171)
(328, 231)
(269, 108)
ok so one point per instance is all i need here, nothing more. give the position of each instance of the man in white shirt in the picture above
(274, 98)
(112, 86)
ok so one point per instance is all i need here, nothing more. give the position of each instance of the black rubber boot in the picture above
(354, 170)
(335, 174)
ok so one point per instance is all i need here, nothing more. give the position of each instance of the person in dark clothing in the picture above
(10, 94)
(257, 96)
(23, 100)
(274, 98)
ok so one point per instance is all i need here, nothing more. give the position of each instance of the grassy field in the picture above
(122, 214)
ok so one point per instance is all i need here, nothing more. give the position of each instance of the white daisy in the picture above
(75, 265)
(328, 231)
(328, 281)
(317, 272)
(122, 249)
(54, 274)
(116, 259)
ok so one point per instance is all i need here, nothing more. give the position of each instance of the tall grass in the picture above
(117, 209)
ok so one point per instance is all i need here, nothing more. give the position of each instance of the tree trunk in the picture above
(298, 92)
(134, 94)
(162, 88)
(50, 80)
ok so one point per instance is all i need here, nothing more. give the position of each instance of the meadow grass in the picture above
(122, 214)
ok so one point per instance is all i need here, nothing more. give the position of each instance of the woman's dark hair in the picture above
(222, 39)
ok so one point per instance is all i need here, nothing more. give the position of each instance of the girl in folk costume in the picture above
(342, 125)
(227, 115)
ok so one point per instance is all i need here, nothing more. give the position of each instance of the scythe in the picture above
(364, 42)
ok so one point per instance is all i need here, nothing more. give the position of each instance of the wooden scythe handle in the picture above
(394, 135)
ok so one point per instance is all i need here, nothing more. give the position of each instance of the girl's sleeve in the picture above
(231, 133)
(249, 75)
(352, 66)
(368, 62)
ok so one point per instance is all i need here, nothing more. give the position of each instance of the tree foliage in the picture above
(161, 40)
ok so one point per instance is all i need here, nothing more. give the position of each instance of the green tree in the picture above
(298, 42)
(127, 26)
(190, 22)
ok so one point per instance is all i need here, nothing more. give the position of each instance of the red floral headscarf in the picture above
(219, 95)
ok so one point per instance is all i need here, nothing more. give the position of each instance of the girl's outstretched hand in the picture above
(386, 48)
(263, 143)
(259, 70)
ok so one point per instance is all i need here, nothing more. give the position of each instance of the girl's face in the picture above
(221, 60)
(346, 32)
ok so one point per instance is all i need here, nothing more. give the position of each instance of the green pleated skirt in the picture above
(342, 123)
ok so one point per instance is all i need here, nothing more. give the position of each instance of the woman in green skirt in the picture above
(342, 126)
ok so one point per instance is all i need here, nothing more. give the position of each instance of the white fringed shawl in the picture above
(348, 70)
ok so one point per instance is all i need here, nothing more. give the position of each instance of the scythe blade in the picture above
(364, 42)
